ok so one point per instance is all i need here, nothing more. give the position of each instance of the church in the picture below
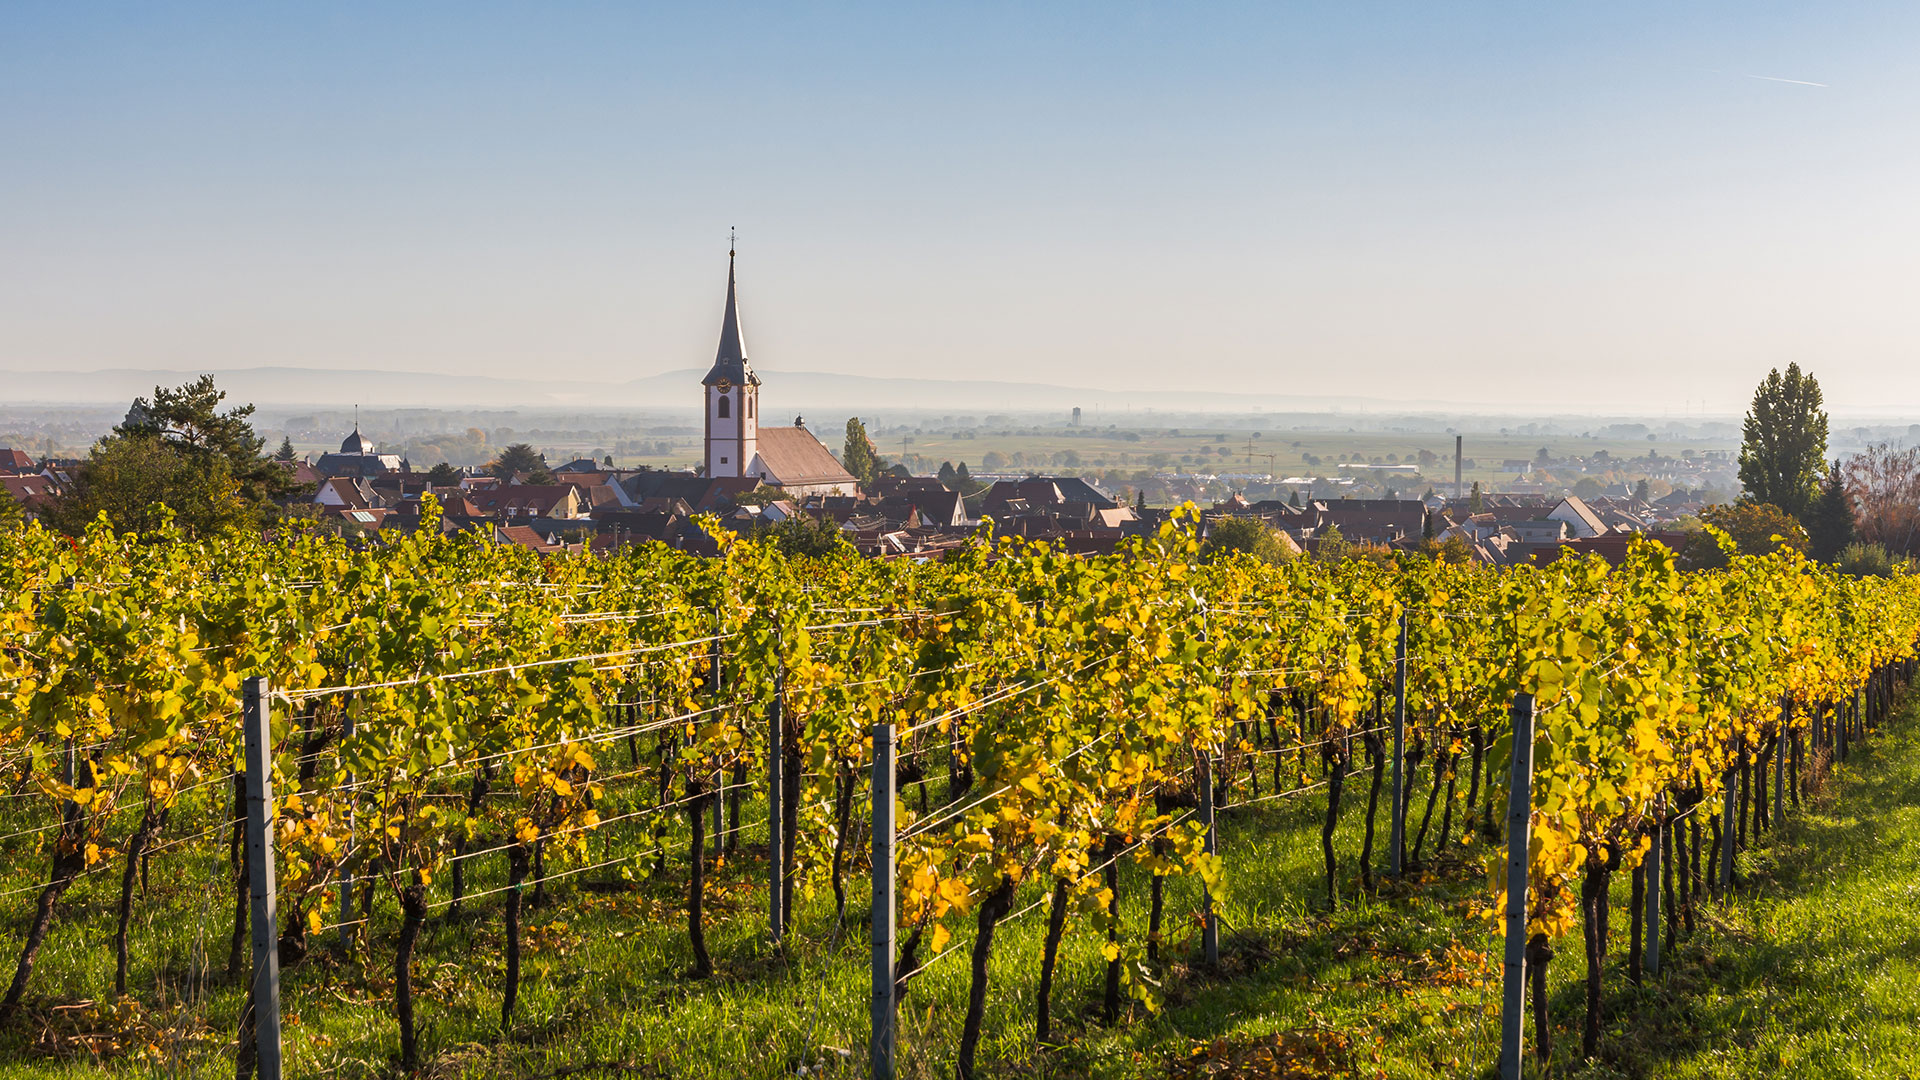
(788, 458)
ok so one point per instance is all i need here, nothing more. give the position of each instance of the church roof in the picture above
(791, 456)
(356, 443)
(730, 362)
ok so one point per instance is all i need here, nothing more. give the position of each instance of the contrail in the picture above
(1796, 82)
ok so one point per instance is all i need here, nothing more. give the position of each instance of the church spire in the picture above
(732, 346)
(730, 361)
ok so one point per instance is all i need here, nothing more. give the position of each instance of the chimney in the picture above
(1458, 491)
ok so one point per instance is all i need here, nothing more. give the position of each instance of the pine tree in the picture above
(1473, 499)
(1830, 526)
(1294, 499)
(946, 475)
(285, 453)
(963, 480)
(1784, 442)
(1140, 503)
(1643, 490)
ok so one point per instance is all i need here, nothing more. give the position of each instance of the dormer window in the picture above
(724, 409)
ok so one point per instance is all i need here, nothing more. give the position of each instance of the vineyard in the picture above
(463, 734)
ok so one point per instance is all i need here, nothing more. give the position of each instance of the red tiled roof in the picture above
(793, 457)
(524, 536)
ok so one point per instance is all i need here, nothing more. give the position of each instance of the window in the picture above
(750, 402)
(723, 461)
(725, 408)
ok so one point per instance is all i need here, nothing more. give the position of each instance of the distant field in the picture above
(1283, 453)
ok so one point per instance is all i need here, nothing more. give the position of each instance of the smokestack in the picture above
(1458, 491)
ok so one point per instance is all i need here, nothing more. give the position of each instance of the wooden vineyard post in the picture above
(1651, 959)
(881, 1045)
(1513, 966)
(1780, 748)
(1840, 727)
(1209, 925)
(1729, 827)
(265, 994)
(1397, 836)
(776, 917)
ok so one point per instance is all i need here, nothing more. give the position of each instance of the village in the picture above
(756, 477)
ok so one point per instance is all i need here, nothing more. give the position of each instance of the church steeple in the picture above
(730, 361)
(732, 395)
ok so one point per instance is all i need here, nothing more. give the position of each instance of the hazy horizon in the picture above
(1502, 206)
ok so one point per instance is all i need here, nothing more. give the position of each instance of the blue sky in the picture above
(1500, 203)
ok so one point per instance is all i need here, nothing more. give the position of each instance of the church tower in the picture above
(732, 393)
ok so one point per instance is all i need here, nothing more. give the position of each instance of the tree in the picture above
(540, 476)
(1453, 550)
(1140, 503)
(1225, 536)
(285, 454)
(1332, 547)
(1784, 442)
(139, 481)
(444, 475)
(1473, 499)
(1643, 490)
(515, 459)
(946, 476)
(1586, 488)
(761, 495)
(1866, 560)
(1885, 487)
(964, 483)
(187, 417)
(1755, 528)
(803, 534)
(858, 456)
(178, 453)
(1293, 500)
(1830, 523)
(12, 517)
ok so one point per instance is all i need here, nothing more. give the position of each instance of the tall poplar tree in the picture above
(857, 457)
(1784, 443)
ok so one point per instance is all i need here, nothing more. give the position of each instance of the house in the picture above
(511, 502)
(15, 462)
(649, 489)
(527, 538)
(935, 504)
(1371, 521)
(347, 493)
(370, 520)
(1580, 519)
(789, 458)
(33, 494)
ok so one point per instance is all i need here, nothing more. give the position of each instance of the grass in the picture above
(1807, 972)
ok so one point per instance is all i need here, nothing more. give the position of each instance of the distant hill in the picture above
(785, 392)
